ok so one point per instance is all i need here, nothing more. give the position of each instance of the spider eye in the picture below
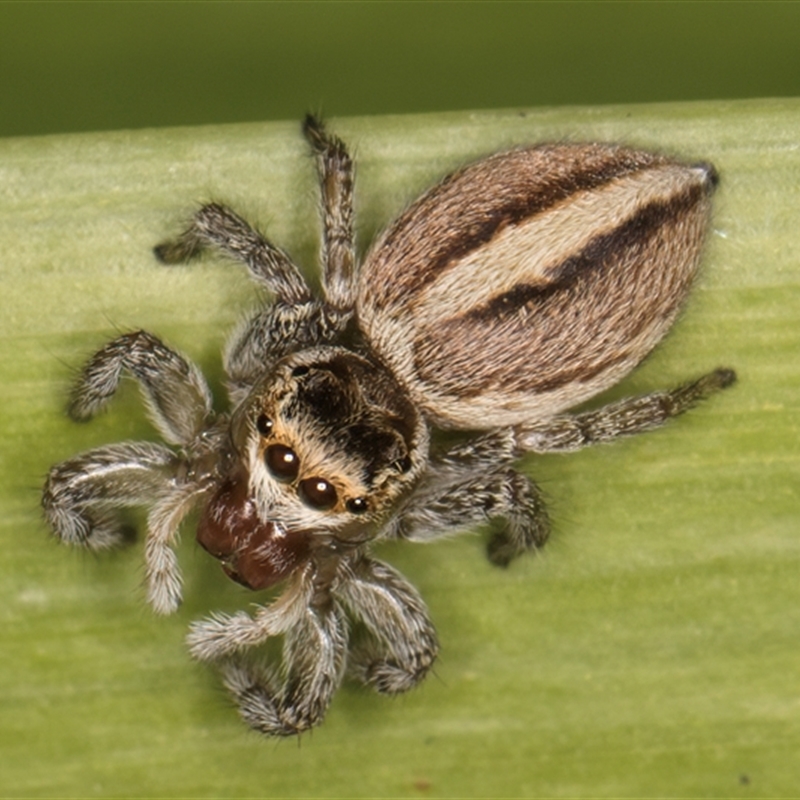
(317, 493)
(403, 464)
(282, 462)
(357, 505)
(264, 425)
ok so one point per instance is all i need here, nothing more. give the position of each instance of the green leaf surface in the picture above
(650, 650)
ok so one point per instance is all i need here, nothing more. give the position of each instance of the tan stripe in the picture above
(472, 206)
(531, 252)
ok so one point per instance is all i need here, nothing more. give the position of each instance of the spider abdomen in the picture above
(525, 283)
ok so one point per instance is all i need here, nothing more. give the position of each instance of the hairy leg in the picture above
(290, 700)
(335, 170)
(403, 643)
(175, 392)
(474, 483)
(624, 418)
(216, 226)
(223, 636)
(80, 494)
(313, 665)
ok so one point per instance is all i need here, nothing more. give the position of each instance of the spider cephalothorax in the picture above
(323, 446)
(516, 288)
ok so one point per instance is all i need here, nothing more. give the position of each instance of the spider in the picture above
(515, 289)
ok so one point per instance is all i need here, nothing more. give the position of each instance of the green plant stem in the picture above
(651, 650)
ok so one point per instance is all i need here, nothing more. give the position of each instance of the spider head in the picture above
(325, 444)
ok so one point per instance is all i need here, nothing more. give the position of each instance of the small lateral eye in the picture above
(403, 464)
(317, 493)
(282, 462)
(264, 425)
(357, 505)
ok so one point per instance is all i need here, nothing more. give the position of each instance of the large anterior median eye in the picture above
(317, 493)
(282, 462)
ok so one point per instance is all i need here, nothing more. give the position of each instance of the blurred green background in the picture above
(70, 66)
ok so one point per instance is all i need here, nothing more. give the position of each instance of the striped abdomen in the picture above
(525, 283)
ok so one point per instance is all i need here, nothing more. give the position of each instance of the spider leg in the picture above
(471, 484)
(335, 169)
(313, 659)
(313, 667)
(175, 392)
(403, 643)
(80, 494)
(296, 320)
(625, 417)
(225, 635)
(474, 482)
(527, 524)
(215, 225)
(162, 573)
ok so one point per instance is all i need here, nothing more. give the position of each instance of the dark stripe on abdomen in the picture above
(598, 254)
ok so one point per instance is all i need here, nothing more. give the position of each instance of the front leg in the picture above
(225, 636)
(81, 494)
(313, 666)
(313, 660)
(403, 643)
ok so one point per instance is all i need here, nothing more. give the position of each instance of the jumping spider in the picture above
(515, 289)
